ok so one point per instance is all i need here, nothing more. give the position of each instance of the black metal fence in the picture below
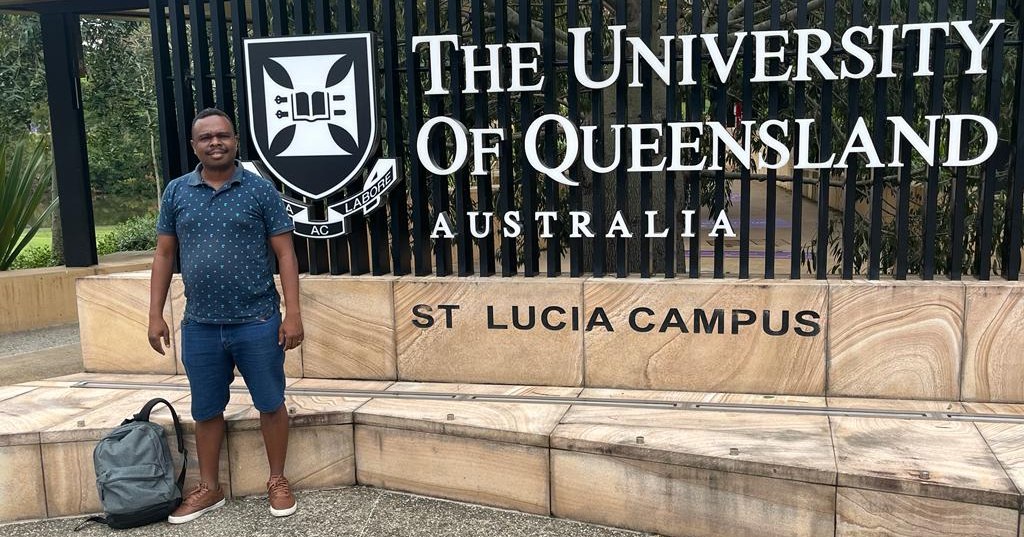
(917, 219)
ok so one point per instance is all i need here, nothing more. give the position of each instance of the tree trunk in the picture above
(57, 239)
(153, 158)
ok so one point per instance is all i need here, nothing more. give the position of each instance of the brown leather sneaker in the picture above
(197, 502)
(279, 492)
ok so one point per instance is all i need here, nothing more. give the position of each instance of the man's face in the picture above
(213, 141)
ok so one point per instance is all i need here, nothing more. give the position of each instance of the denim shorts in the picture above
(210, 353)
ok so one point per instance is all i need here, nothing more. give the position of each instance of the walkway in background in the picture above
(39, 354)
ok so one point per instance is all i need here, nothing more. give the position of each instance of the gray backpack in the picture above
(135, 474)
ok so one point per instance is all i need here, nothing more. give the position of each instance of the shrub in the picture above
(35, 257)
(134, 234)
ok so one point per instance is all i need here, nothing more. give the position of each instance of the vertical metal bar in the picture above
(825, 147)
(1015, 182)
(721, 115)
(671, 22)
(366, 15)
(337, 247)
(993, 96)
(260, 24)
(464, 239)
(554, 249)
(238, 33)
(439, 194)
(322, 15)
(621, 180)
(484, 195)
(850, 214)
(61, 41)
(531, 253)
(417, 178)
(301, 16)
(935, 108)
(337, 256)
(313, 255)
(183, 95)
(279, 16)
(380, 253)
(302, 254)
(224, 93)
(167, 123)
(694, 112)
(646, 102)
(506, 193)
(597, 118)
(317, 250)
(573, 104)
(184, 106)
(800, 111)
(279, 12)
(903, 200)
(963, 97)
(772, 185)
(397, 206)
(357, 241)
(878, 174)
(748, 98)
(200, 54)
(344, 15)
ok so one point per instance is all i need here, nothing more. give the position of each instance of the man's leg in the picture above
(210, 372)
(261, 361)
(209, 439)
(274, 426)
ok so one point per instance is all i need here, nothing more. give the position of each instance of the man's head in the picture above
(213, 139)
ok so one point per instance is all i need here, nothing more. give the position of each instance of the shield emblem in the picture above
(313, 108)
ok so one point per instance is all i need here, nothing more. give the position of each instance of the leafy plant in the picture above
(25, 172)
(35, 257)
(134, 234)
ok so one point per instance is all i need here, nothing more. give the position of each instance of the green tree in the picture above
(123, 146)
(23, 110)
(22, 77)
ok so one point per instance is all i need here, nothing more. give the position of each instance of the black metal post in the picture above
(61, 40)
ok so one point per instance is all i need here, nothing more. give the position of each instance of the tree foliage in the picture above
(22, 77)
(120, 117)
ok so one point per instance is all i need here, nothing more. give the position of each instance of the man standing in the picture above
(226, 220)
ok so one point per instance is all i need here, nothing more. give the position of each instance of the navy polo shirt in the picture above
(222, 237)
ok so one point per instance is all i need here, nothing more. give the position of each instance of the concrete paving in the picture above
(346, 512)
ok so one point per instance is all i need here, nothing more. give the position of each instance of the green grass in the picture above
(45, 235)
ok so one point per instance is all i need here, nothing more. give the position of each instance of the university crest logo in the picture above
(314, 124)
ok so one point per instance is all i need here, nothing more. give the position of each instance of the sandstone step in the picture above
(676, 463)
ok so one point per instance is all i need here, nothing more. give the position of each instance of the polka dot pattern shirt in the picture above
(222, 238)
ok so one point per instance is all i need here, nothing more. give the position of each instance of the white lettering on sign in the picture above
(805, 53)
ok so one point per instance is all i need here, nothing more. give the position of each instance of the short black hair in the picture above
(208, 112)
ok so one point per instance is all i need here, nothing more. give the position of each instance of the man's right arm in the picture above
(159, 283)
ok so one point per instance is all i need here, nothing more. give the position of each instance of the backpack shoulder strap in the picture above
(143, 415)
(86, 522)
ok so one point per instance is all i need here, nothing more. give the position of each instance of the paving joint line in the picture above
(601, 402)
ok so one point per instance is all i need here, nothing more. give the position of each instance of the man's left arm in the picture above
(290, 335)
